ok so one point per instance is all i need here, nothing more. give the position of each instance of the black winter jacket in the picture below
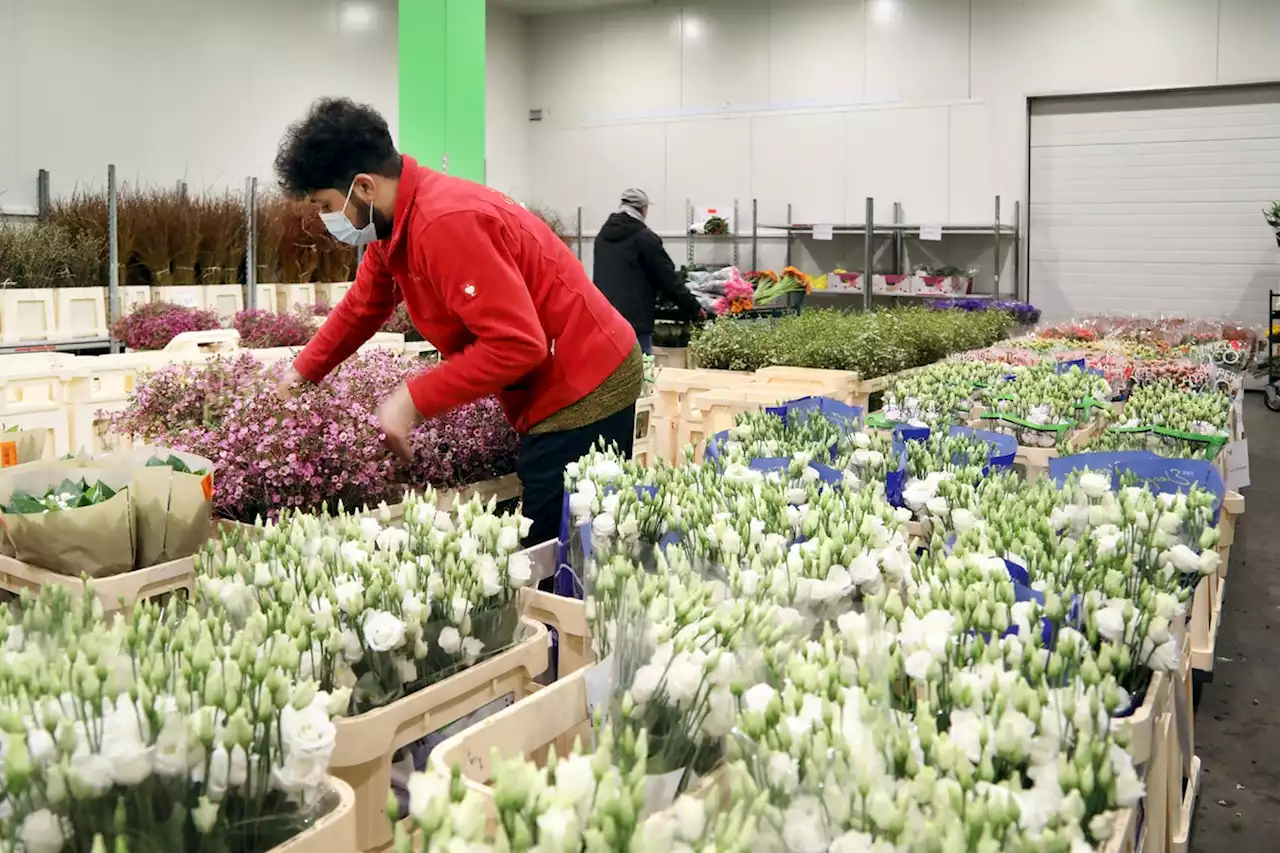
(631, 267)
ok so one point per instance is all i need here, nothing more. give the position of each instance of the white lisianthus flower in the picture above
(558, 829)
(580, 506)
(382, 631)
(91, 775)
(963, 520)
(307, 733)
(757, 698)
(1164, 657)
(861, 440)
(427, 790)
(603, 526)
(349, 596)
(1209, 561)
(684, 679)
(864, 569)
(471, 649)
(1110, 623)
(1094, 485)
(646, 682)
(519, 569)
(1183, 559)
(576, 781)
(369, 528)
(804, 826)
(605, 470)
(393, 540)
(691, 818)
(489, 574)
(450, 641)
(43, 832)
(917, 664)
(609, 503)
(937, 505)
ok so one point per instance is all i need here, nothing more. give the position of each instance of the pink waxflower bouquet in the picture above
(152, 325)
(321, 446)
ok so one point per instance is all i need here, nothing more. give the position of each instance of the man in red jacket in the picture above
(510, 309)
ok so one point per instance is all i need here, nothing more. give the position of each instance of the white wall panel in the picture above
(815, 51)
(918, 49)
(640, 69)
(900, 155)
(717, 72)
(566, 52)
(971, 167)
(175, 89)
(1092, 45)
(1248, 32)
(708, 162)
(506, 113)
(801, 160)
(620, 157)
(557, 158)
(1150, 203)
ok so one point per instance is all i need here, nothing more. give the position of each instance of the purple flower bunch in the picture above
(1022, 312)
(265, 329)
(152, 325)
(321, 446)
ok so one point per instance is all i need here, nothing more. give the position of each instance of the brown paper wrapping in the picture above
(96, 541)
(174, 511)
(80, 461)
(22, 446)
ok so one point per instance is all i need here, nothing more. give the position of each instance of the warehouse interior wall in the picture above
(821, 103)
(507, 103)
(172, 90)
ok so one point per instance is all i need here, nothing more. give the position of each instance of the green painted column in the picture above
(442, 84)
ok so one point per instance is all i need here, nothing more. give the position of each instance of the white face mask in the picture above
(344, 230)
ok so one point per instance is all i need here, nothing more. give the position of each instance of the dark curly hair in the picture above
(338, 140)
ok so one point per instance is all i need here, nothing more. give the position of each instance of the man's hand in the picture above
(397, 417)
(289, 383)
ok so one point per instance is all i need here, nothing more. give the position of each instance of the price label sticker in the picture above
(931, 232)
(8, 454)
(206, 485)
(824, 232)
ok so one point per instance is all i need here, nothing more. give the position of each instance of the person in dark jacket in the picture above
(631, 268)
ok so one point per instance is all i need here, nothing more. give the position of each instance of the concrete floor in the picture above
(1237, 726)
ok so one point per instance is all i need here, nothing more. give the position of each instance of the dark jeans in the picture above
(543, 459)
(646, 342)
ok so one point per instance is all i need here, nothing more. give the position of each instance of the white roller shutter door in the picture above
(1152, 203)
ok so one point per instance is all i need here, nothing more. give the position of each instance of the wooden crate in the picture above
(363, 754)
(1206, 619)
(842, 385)
(335, 832)
(679, 419)
(118, 593)
(1232, 509)
(671, 357)
(717, 410)
(568, 618)
(555, 716)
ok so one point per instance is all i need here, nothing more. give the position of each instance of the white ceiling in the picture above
(542, 7)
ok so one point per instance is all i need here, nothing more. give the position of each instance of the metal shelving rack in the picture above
(693, 239)
(898, 231)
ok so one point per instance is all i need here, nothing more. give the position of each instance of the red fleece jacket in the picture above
(508, 306)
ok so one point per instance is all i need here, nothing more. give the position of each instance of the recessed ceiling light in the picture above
(356, 17)
(885, 11)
